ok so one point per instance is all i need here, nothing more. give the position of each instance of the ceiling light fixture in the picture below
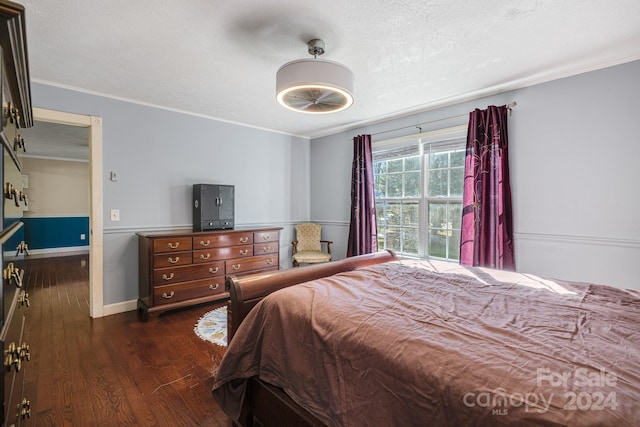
(315, 86)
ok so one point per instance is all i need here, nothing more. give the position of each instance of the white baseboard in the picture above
(120, 307)
(53, 252)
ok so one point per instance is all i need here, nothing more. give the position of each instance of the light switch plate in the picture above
(115, 214)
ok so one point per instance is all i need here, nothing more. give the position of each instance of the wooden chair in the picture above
(307, 249)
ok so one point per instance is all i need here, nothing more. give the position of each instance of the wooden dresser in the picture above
(180, 269)
(16, 115)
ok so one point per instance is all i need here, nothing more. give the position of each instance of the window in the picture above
(418, 190)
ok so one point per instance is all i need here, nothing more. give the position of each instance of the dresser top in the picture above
(207, 232)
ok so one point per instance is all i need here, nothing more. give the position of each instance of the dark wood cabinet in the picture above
(213, 207)
(181, 269)
(16, 115)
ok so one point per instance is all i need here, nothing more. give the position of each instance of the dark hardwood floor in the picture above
(115, 370)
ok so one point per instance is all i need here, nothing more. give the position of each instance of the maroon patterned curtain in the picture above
(362, 229)
(487, 218)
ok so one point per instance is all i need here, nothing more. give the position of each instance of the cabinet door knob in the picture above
(165, 296)
(169, 277)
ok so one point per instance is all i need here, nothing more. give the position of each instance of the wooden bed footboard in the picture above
(264, 404)
(247, 291)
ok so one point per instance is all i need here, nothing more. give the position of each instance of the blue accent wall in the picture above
(56, 232)
(17, 237)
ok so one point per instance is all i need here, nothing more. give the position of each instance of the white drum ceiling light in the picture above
(315, 86)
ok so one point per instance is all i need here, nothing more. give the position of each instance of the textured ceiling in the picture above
(219, 58)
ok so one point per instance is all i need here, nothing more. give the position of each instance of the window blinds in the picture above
(446, 139)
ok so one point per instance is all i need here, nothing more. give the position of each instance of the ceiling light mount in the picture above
(316, 47)
(315, 86)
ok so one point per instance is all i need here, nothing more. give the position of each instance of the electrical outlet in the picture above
(82, 236)
(115, 214)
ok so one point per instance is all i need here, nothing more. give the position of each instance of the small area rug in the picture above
(213, 326)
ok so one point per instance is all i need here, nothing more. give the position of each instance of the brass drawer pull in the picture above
(19, 142)
(267, 248)
(203, 256)
(207, 243)
(13, 273)
(244, 239)
(173, 261)
(165, 296)
(214, 287)
(213, 270)
(169, 277)
(24, 408)
(244, 252)
(235, 266)
(266, 237)
(270, 261)
(172, 246)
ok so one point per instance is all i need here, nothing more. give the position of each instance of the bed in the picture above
(373, 340)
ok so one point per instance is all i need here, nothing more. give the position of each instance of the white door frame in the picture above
(94, 125)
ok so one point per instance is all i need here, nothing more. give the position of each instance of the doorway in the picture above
(94, 127)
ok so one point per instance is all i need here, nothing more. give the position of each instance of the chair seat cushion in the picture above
(311, 256)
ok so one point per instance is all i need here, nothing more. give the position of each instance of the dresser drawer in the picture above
(266, 236)
(221, 240)
(235, 266)
(266, 248)
(188, 290)
(171, 259)
(165, 276)
(222, 253)
(172, 244)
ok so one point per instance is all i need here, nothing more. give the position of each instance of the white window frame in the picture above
(441, 140)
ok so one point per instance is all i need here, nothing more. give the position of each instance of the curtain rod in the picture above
(510, 106)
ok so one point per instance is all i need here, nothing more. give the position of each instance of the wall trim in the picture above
(58, 159)
(545, 237)
(580, 240)
(189, 227)
(160, 107)
(333, 223)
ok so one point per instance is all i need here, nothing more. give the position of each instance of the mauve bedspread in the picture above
(431, 343)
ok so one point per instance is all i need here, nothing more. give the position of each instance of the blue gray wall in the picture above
(574, 152)
(159, 154)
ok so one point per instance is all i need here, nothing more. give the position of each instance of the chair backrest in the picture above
(308, 236)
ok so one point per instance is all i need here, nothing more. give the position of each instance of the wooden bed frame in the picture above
(264, 404)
